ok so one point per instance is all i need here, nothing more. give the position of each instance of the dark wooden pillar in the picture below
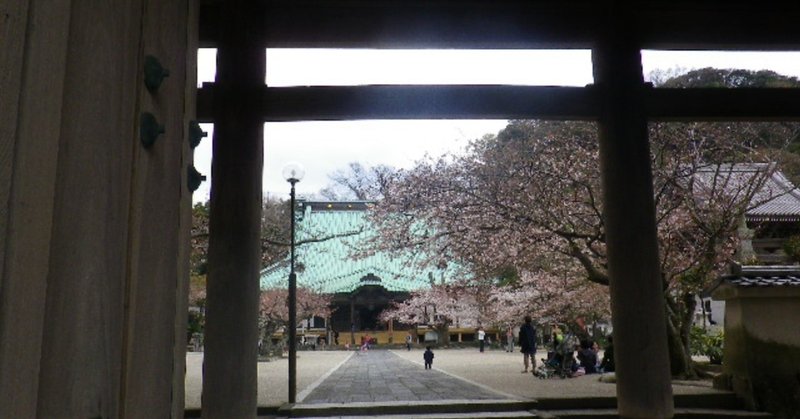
(640, 339)
(182, 292)
(91, 216)
(234, 252)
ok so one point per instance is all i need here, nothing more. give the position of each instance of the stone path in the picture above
(381, 376)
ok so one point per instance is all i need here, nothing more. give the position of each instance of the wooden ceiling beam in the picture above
(416, 24)
(710, 24)
(414, 102)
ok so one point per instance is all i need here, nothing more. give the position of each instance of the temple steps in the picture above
(711, 406)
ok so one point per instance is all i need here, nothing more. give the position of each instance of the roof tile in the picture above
(328, 266)
(764, 281)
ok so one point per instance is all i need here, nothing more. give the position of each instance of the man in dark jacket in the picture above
(527, 340)
(587, 357)
(428, 356)
(607, 365)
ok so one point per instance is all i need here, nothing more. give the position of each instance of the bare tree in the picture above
(359, 182)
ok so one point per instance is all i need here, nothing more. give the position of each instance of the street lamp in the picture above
(293, 172)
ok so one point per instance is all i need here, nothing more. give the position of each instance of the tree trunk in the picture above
(679, 323)
(689, 304)
(443, 331)
(267, 348)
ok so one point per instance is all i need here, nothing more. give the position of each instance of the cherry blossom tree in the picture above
(440, 306)
(273, 313)
(197, 306)
(358, 182)
(549, 297)
(530, 198)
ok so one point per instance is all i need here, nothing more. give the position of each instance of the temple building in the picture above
(328, 236)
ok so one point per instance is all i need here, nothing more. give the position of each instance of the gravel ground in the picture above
(272, 376)
(501, 371)
(497, 370)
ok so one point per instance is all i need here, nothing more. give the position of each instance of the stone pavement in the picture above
(383, 376)
(493, 369)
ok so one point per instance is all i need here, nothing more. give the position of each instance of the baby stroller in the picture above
(560, 362)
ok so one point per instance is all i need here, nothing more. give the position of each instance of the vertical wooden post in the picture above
(234, 251)
(88, 301)
(184, 249)
(33, 64)
(637, 303)
(158, 203)
(90, 264)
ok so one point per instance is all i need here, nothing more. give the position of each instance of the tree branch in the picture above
(593, 274)
(312, 240)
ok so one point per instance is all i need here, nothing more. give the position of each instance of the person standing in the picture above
(365, 342)
(607, 364)
(428, 355)
(558, 337)
(481, 337)
(510, 340)
(527, 342)
(408, 341)
(587, 357)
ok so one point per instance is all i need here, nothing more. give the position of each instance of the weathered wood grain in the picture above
(81, 351)
(33, 68)
(157, 197)
(184, 232)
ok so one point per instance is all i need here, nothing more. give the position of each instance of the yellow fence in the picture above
(399, 336)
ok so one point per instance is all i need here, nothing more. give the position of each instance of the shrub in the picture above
(701, 342)
(792, 248)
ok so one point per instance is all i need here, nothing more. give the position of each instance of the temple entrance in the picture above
(368, 318)
(358, 311)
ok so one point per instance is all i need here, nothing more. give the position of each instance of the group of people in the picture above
(587, 354)
(562, 356)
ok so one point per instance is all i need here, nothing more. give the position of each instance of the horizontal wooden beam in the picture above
(414, 102)
(663, 24)
(504, 102)
(723, 104)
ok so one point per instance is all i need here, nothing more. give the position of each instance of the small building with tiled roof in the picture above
(773, 218)
(778, 200)
(761, 360)
(759, 305)
(774, 214)
(328, 235)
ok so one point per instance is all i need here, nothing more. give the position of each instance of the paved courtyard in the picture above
(342, 377)
(380, 376)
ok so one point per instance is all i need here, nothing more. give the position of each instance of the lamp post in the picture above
(293, 173)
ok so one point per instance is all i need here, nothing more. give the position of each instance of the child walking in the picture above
(428, 355)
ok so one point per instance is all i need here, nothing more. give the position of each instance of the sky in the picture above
(323, 147)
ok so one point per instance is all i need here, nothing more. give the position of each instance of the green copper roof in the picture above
(327, 266)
